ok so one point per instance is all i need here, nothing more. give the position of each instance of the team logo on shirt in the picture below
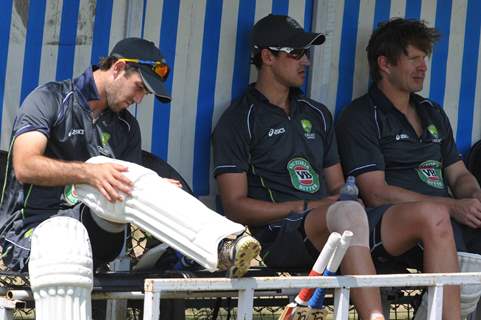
(307, 126)
(70, 195)
(430, 172)
(303, 176)
(433, 131)
(104, 138)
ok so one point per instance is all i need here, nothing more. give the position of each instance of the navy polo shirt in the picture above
(283, 155)
(59, 110)
(374, 135)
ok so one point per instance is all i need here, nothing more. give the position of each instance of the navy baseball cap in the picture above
(282, 31)
(146, 51)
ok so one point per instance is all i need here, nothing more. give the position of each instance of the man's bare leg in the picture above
(357, 259)
(406, 224)
(367, 300)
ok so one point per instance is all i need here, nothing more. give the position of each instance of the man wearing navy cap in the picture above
(276, 162)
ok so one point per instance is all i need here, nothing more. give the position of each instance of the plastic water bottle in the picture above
(349, 190)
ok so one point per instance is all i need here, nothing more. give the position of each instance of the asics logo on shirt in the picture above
(75, 132)
(275, 132)
(402, 136)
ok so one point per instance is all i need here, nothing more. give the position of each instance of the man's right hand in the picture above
(109, 179)
(467, 211)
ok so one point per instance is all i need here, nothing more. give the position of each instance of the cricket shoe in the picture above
(235, 255)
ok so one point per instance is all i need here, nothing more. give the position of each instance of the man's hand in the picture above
(174, 182)
(468, 212)
(477, 195)
(109, 179)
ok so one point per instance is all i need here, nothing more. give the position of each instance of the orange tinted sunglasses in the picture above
(160, 68)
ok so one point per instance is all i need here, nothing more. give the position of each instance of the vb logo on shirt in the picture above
(303, 176)
(430, 172)
(70, 194)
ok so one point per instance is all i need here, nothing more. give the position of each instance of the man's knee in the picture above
(434, 221)
(349, 215)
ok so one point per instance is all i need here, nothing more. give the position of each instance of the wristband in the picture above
(306, 205)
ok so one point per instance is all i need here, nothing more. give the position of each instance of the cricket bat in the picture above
(317, 299)
(298, 309)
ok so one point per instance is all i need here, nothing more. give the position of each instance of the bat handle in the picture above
(317, 299)
(319, 266)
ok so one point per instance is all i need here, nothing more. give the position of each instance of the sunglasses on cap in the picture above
(295, 53)
(160, 68)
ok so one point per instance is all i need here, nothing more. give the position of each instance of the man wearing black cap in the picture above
(62, 124)
(277, 166)
(59, 126)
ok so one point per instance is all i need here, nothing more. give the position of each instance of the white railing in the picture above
(155, 289)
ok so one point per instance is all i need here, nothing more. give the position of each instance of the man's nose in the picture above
(138, 97)
(423, 66)
(305, 60)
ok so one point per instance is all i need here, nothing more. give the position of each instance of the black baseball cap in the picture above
(137, 48)
(282, 31)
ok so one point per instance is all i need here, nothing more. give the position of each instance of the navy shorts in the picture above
(466, 238)
(284, 243)
(386, 263)
(15, 243)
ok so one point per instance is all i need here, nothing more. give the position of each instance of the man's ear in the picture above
(384, 64)
(118, 67)
(267, 56)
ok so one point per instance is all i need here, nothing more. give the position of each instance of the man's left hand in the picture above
(174, 182)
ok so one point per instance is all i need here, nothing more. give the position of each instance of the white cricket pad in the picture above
(470, 294)
(166, 211)
(349, 215)
(469, 262)
(61, 270)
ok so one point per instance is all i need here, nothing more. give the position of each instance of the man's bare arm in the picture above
(334, 178)
(240, 208)
(464, 186)
(376, 192)
(33, 167)
(462, 183)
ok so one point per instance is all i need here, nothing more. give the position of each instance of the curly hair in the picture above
(391, 39)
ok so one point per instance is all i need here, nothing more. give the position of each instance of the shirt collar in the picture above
(294, 94)
(85, 85)
(380, 99)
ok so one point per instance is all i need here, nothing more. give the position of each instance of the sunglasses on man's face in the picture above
(160, 68)
(295, 53)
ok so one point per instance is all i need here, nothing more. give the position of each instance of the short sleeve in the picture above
(38, 112)
(449, 149)
(231, 140)
(331, 155)
(358, 142)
